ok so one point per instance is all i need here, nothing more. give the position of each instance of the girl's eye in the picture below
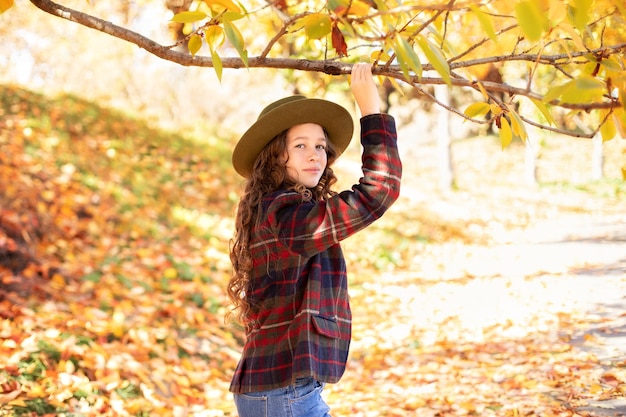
(321, 147)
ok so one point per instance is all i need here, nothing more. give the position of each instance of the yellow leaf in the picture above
(554, 93)
(117, 324)
(359, 8)
(407, 58)
(186, 364)
(583, 89)
(66, 366)
(496, 109)
(557, 11)
(477, 109)
(236, 39)
(316, 25)
(5, 5)
(217, 64)
(219, 5)
(395, 84)
(573, 35)
(517, 124)
(506, 135)
(481, 87)
(619, 117)
(611, 64)
(436, 58)
(531, 19)
(17, 403)
(380, 56)
(468, 406)
(543, 108)
(346, 7)
(596, 389)
(608, 129)
(57, 281)
(194, 44)
(189, 17)
(232, 16)
(214, 36)
(413, 402)
(589, 337)
(36, 391)
(485, 22)
(580, 13)
(170, 273)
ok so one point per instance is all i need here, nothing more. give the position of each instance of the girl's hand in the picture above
(364, 89)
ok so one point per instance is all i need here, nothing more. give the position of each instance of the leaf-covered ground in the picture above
(113, 261)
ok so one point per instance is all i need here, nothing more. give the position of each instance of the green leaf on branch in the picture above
(189, 17)
(217, 64)
(407, 58)
(584, 89)
(611, 64)
(235, 38)
(543, 108)
(232, 16)
(436, 58)
(554, 93)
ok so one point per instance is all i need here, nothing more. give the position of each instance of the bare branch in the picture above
(551, 60)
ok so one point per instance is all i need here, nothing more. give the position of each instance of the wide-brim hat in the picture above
(288, 112)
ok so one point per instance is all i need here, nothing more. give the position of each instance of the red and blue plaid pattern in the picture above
(302, 318)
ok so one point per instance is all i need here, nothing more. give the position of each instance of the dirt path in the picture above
(482, 339)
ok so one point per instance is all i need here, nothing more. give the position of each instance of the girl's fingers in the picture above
(359, 70)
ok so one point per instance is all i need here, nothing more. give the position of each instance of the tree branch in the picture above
(327, 66)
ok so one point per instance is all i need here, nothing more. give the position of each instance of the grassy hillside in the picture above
(113, 258)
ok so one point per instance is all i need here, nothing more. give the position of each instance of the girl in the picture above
(289, 284)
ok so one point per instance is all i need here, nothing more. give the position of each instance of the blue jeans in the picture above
(303, 399)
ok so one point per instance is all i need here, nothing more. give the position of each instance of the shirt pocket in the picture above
(326, 326)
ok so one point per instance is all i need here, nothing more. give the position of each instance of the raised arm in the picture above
(364, 89)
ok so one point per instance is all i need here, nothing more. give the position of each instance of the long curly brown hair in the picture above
(269, 174)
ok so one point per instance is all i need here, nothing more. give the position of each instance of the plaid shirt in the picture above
(302, 322)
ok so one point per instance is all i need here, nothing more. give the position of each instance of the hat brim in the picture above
(332, 117)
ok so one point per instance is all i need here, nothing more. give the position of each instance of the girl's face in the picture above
(306, 154)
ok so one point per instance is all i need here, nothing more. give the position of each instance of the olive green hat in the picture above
(288, 112)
